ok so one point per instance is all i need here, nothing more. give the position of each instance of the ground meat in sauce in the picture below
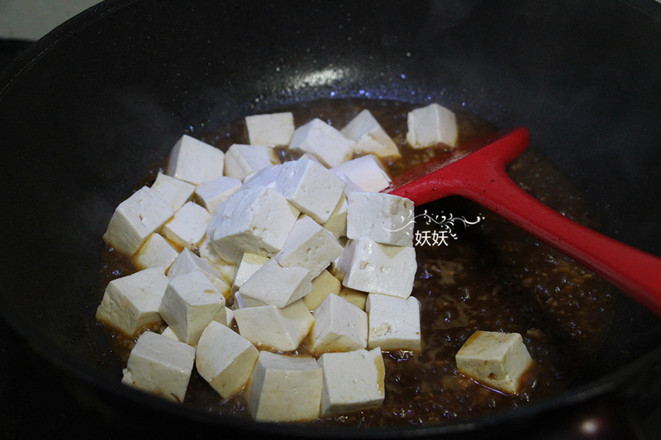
(492, 277)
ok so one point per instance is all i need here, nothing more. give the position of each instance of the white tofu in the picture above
(132, 302)
(431, 125)
(366, 172)
(240, 302)
(322, 286)
(160, 365)
(188, 226)
(226, 269)
(135, 219)
(256, 220)
(338, 326)
(497, 360)
(337, 222)
(265, 177)
(225, 359)
(187, 262)
(310, 187)
(323, 141)
(190, 302)
(369, 136)
(394, 323)
(384, 218)
(277, 285)
(355, 297)
(155, 252)
(309, 246)
(285, 388)
(275, 129)
(169, 333)
(212, 193)
(174, 191)
(248, 265)
(272, 328)
(369, 266)
(243, 160)
(353, 381)
(194, 161)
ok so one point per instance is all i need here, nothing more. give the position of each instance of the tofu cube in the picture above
(309, 246)
(369, 266)
(174, 191)
(338, 326)
(353, 381)
(208, 253)
(355, 297)
(265, 177)
(188, 226)
(369, 136)
(212, 193)
(285, 388)
(135, 219)
(431, 125)
(275, 129)
(497, 360)
(337, 222)
(160, 365)
(322, 286)
(256, 220)
(155, 252)
(394, 323)
(310, 187)
(190, 302)
(132, 302)
(384, 218)
(366, 172)
(243, 160)
(323, 141)
(187, 262)
(224, 359)
(248, 265)
(277, 285)
(194, 161)
(272, 328)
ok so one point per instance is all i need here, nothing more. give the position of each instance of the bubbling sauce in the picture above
(493, 277)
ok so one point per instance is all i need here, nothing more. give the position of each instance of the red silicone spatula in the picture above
(480, 176)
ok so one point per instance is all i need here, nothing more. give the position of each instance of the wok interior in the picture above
(120, 84)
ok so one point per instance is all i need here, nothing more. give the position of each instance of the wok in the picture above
(90, 107)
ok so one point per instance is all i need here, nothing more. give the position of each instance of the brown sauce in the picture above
(493, 276)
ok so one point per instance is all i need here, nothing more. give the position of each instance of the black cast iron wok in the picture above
(86, 110)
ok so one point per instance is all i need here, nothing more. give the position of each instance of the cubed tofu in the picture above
(369, 136)
(194, 161)
(323, 141)
(155, 252)
(366, 172)
(285, 388)
(369, 266)
(187, 262)
(355, 297)
(225, 359)
(188, 226)
(310, 187)
(174, 191)
(384, 218)
(190, 302)
(353, 381)
(275, 129)
(431, 125)
(243, 160)
(212, 193)
(322, 286)
(248, 265)
(135, 219)
(132, 302)
(497, 360)
(277, 285)
(394, 323)
(309, 246)
(338, 326)
(226, 269)
(255, 220)
(169, 333)
(161, 366)
(265, 177)
(272, 328)
(337, 222)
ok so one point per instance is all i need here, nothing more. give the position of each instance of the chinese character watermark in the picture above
(444, 228)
